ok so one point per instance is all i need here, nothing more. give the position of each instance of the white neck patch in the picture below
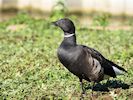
(69, 35)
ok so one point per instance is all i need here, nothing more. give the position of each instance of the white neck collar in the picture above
(69, 35)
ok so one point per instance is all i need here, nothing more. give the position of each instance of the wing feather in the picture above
(100, 61)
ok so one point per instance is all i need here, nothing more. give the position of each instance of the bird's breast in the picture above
(68, 56)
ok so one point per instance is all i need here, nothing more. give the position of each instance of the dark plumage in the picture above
(84, 62)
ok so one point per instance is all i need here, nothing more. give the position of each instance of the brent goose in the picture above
(84, 62)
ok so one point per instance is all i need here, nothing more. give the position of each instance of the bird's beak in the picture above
(54, 23)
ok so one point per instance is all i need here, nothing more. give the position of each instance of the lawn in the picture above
(30, 69)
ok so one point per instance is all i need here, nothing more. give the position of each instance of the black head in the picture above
(66, 25)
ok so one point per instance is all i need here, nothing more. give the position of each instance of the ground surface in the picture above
(29, 68)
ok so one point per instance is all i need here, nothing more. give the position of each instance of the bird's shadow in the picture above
(104, 87)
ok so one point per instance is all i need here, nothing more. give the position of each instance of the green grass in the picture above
(29, 68)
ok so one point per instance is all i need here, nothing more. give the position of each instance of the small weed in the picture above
(29, 67)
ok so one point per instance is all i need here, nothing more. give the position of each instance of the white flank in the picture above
(117, 71)
(97, 66)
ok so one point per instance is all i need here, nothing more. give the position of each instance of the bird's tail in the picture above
(117, 69)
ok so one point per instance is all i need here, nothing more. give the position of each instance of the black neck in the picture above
(70, 41)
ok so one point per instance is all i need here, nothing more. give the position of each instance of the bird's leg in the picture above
(81, 83)
(83, 90)
(93, 84)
